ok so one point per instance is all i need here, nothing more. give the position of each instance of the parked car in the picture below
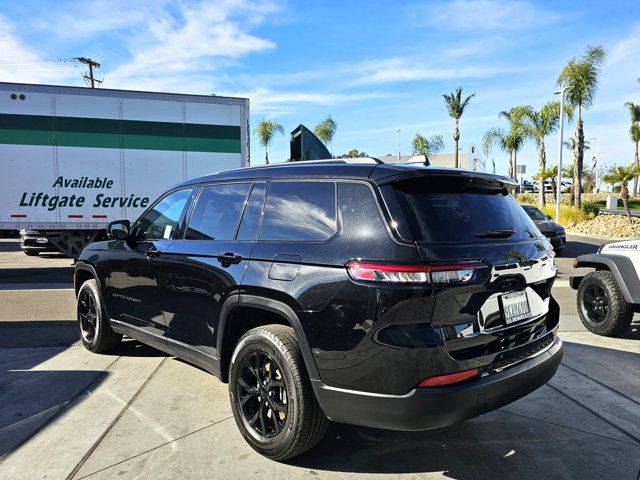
(553, 231)
(391, 296)
(33, 243)
(608, 297)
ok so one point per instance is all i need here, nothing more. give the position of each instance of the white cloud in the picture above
(19, 63)
(203, 38)
(404, 70)
(86, 19)
(488, 15)
(279, 103)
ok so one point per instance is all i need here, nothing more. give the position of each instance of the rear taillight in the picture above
(438, 273)
(449, 379)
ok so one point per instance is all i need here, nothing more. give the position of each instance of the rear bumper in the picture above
(428, 408)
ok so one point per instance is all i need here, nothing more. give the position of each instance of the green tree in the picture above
(326, 130)
(265, 131)
(580, 78)
(547, 174)
(634, 131)
(536, 126)
(455, 106)
(427, 146)
(509, 141)
(623, 175)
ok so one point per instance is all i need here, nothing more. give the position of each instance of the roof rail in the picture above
(350, 161)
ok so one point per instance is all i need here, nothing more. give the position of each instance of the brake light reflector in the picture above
(449, 379)
(439, 273)
(370, 272)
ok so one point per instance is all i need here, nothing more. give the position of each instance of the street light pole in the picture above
(560, 140)
(398, 130)
(595, 172)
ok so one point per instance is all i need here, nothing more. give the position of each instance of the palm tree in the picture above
(325, 130)
(623, 175)
(510, 141)
(634, 131)
(634, 111)
(537, 125)
(266, 130)
(426, 146)
(580, 78)
(455, 106)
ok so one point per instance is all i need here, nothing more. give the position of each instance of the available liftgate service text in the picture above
(51, 202)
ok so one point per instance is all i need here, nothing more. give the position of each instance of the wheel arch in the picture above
(622, 269)
(269, 306)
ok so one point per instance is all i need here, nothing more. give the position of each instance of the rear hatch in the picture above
(501, 312)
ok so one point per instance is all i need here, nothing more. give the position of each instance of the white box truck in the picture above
(73, 159)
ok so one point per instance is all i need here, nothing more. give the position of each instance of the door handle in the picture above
(153, 252)
(229, 258)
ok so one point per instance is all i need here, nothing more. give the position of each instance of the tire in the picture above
(614, 316)
(31, 253)
(95, 332)
(304, 424)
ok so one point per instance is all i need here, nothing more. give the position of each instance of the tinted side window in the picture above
(250, 224)
(300, 211)
(161, 222)
(217, 211)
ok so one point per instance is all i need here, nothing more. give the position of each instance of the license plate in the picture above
(42, 240)
(515, 307)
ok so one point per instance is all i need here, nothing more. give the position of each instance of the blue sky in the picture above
(374, 66)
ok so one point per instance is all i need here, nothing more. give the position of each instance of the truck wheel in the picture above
(271, 395)
(31, 253)
(95, 331)
(601, 305)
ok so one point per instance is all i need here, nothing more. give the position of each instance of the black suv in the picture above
(391, 296)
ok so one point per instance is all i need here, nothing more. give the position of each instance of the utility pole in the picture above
(398, 131)
(92, 64)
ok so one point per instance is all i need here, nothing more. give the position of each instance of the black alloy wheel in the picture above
(262, 394)
(87, 315)
(596, 303)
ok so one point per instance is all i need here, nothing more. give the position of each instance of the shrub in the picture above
(568, 215)
(591, 208)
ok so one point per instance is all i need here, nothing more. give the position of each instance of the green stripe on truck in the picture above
(109, 140)
(113, 133)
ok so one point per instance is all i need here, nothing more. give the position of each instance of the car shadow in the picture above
(31, 397)
(544, 435)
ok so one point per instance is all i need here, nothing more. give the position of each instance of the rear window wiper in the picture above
(505, 233)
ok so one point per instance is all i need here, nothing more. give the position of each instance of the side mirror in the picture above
(548, 217)
(119, 230)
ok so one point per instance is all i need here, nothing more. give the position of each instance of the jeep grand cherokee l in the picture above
(392, 296)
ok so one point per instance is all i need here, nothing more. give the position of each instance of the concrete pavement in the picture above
(66, 413)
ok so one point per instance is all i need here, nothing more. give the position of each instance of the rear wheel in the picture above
(601, 305)
(271, 395)
(95, 331)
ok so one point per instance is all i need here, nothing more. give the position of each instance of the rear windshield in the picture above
(444, 209)
(534, 213)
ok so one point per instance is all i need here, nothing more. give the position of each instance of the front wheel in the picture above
(31, 253)
(95, 331)
(271, 395)
(601, 305)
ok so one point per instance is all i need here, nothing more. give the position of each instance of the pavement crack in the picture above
(55, 416)
(593, 412)
(618, 392)
(155, 448)
(113, 423)
(568, 427)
